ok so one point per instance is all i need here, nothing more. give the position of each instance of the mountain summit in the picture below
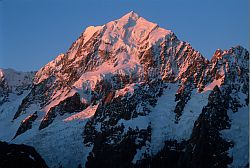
(131, 94)
(131, 15)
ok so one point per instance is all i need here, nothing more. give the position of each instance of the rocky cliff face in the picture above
(131, 94)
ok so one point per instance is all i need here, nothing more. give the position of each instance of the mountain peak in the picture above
(132, 19)
(130, 15)
(235, 51)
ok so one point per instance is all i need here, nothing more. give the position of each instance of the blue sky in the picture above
(34, 32)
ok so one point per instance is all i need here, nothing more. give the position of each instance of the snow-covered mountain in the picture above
(131, 94)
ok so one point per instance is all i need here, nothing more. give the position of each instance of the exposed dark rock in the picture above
(12, 155)
(107, 115)
(26, 124)
(206, 148)
(118, 154)
(40, 93)
(4, 91)
(69, 105)
(169, 156)
(182, 96)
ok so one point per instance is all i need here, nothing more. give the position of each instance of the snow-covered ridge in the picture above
(125, 34)
(48, 69)
(14, 79)
(89, 32)
(133, 30)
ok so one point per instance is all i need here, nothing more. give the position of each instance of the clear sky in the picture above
(34, 32)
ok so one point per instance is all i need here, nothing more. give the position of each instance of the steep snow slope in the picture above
(14, 87)
(62, 142)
